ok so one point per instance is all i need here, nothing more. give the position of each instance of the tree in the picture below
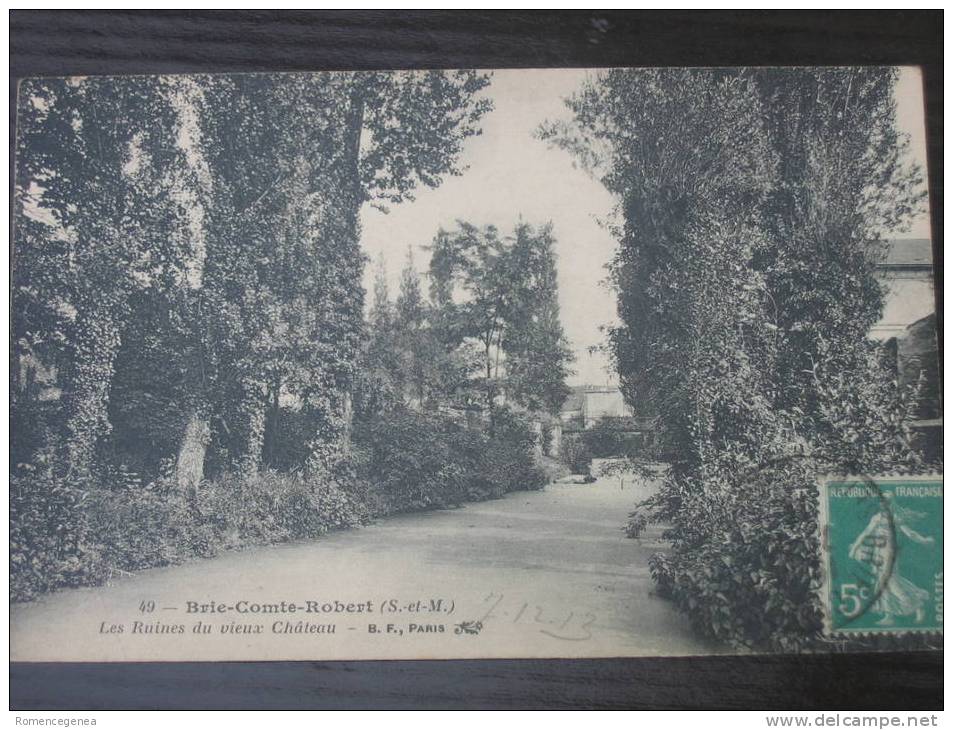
(508, 304)
(281, 300)
(538, 355)
(382, 309)
(100, 216)
(842, 184)
(234, 200)
(749, 206)
(378, 388)
(412, 333)
(473, 259)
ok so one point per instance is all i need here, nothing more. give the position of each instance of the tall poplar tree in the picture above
(293, 158)
(413, 334)
(538, 354)
(100, 216)
(751, 206)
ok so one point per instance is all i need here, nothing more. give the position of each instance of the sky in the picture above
(511, 175)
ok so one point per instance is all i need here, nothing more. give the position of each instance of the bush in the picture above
(141, 527)
(607, 439)
(71, 533)
(64, 536)
(271, 507)
(509, 464)
(51, 544)
(421, 460)
(508, 468)
(576, 453)
(412, 461)
(745, 565)
(636, 524)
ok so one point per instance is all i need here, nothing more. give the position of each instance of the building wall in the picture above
(909, 298)
(569, 415)
(918, 362)
(604, 402)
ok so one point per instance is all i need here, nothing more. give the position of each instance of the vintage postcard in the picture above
(473, 364)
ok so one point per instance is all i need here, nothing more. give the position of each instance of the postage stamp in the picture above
(882, 545)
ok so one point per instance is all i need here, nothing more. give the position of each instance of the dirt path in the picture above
(544, 574)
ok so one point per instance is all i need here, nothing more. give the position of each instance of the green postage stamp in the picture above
(882, 546)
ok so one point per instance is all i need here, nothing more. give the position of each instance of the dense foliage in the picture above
(65, 534)
(576, 452)
(751, 210)
(191, 366)
(414, 460)
(188, 308)
(612, 437)
(499, 294)
(217, 216)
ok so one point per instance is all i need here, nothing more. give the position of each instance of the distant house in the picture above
(572, 408)
(918, 361)
(907, 272)
(587, 404)
(909, 327)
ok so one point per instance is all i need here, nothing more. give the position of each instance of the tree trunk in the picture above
(326, 454)
(97, 341)
(272, 435)
(489, 388)
(252, 429)
(190, 464)
(331, 443)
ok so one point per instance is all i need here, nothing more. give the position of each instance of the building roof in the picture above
(575, 399)
(907, 252)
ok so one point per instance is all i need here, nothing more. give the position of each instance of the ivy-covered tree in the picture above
(843, 182)
(281, 291)
(235, 200)
(100, 216)
(750, 205)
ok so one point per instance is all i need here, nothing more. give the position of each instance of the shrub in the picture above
(62, 535)
(607, 439)
(576, 453)
(409, 461)
(51, 544)
(745, 565)
(271, 507)
(508, 468)
(636, 524)
(68, 533)
(420, 460)
(147, 527)
(509, 464)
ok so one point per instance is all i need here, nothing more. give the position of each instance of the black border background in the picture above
(47, 43)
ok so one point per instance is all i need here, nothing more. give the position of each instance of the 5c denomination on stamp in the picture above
(882, 554)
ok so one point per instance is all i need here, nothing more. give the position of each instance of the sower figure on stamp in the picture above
(876, 549)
